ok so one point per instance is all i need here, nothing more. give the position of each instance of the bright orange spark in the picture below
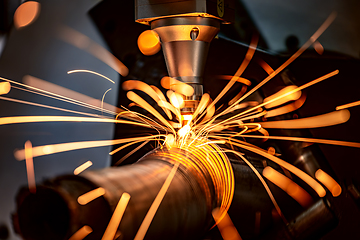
(82, 167)
(324, 120)
(103, 97)
(287, 108)
(310, 140)
(329, 182)
(353, 104)
(249, 55)
(116, 217)
(149, 42)
(290, 187)
(5, 88)
(318, 47)
(225, 225)
(88, 71)
(177, 86)
(64, 147)
(149, 90)
(137, 99)
(155, 205)
(67, 94)
(30, 167)
(33, 119)
(312, 39)
(264, 184)
(81, 233)
(26, 14)
(269, 70)
(90, 196)
(286, 98)
(47, 106)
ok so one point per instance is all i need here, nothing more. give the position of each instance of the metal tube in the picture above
(185, 212)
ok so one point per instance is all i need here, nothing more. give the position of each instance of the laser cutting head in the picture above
(186, 29)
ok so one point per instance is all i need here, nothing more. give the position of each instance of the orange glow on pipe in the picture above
(26, 14)
(116, 217)
(290, 187)
(149, 42)
(30, 167)
(82, 167)
(81, 233)
(155, 205)
(329, 182)
(324, 120)
(4, 87)
(225, 225)
(90, 196)
(286, 98)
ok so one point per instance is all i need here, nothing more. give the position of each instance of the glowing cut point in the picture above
(5, 88)
(26, 14)
(170, 140)
(148, 42)
(184, 131)
(329, 182)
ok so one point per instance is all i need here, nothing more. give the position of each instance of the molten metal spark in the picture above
(90, 196)
(324, 120)
(286, 184)
(329, 182)
(4, 88)
(82, 167)
(116, 217)
(26, 14)
(88, 71)
(225, 225)
(353, 104)
(30, 167)
(81, 233)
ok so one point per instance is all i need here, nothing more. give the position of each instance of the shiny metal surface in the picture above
(185, 43)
